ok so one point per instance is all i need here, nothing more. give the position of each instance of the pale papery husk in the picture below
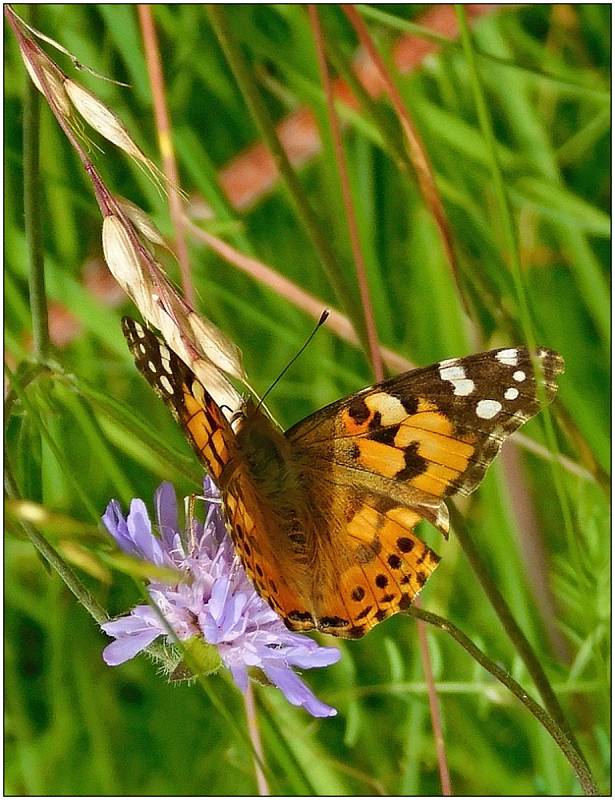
(200, 345)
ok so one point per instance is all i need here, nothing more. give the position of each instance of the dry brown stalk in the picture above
(252, 173)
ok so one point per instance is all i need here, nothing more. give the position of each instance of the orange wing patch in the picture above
(420, 449)
(204, 425)
(387, 565)
(249, 529)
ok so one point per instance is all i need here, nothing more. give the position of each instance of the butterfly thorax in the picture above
(265, 452)
(266, 459)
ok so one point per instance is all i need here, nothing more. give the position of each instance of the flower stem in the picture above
(558, 734)
(255, 738)
(165, 140)
(434, 707)
(511, 627)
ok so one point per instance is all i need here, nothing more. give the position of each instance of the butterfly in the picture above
(322, 516)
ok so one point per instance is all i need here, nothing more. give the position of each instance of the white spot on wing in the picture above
(464, 388)
(511, 394)
(452, 373)
(142, 348)
(509, 357)
(166, 384)
(519, 375)
(152, 366)
(448, 362)
(487, 409)
(390, 408)
(456, 375)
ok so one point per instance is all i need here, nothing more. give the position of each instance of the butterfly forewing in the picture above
(207, 429)
(436, 428)
(215, 444)
(398, 449)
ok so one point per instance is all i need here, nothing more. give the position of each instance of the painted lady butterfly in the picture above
(323, 516)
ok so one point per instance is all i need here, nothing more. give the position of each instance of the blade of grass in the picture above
(98, 444)
(512, 246)
(417, 152)
(32, 218)
(359, 261)
(125, 418)
(328, 259)
(55, 561)
(36, 417)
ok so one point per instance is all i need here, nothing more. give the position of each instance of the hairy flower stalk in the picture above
(213, 602)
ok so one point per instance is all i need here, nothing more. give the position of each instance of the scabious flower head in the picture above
(213, 600)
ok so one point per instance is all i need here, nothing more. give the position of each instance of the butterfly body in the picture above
(322, 516)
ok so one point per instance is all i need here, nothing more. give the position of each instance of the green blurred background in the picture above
(75, 726)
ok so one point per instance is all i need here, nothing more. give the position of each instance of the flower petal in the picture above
(127, 647)
(166, 514)
(296, 692)
(146, 544)
(217, 601)
(307, 658)
(115, 523)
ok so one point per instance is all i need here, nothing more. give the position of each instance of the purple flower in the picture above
(213, 600)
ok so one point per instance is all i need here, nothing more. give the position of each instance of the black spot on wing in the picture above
(384, 435)
(409, 401)
(358, 410)
(414, 463)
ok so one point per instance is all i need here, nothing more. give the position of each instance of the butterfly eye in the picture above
(236, 416)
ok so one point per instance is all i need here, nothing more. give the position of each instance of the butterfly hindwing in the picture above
(381, 565)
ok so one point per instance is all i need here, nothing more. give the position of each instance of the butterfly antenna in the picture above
(321, 321)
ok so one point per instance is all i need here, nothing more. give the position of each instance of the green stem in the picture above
(558, 734)
(501, 195)
(55, 560)
(511, 627)
(318, 235)
(32, 220)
